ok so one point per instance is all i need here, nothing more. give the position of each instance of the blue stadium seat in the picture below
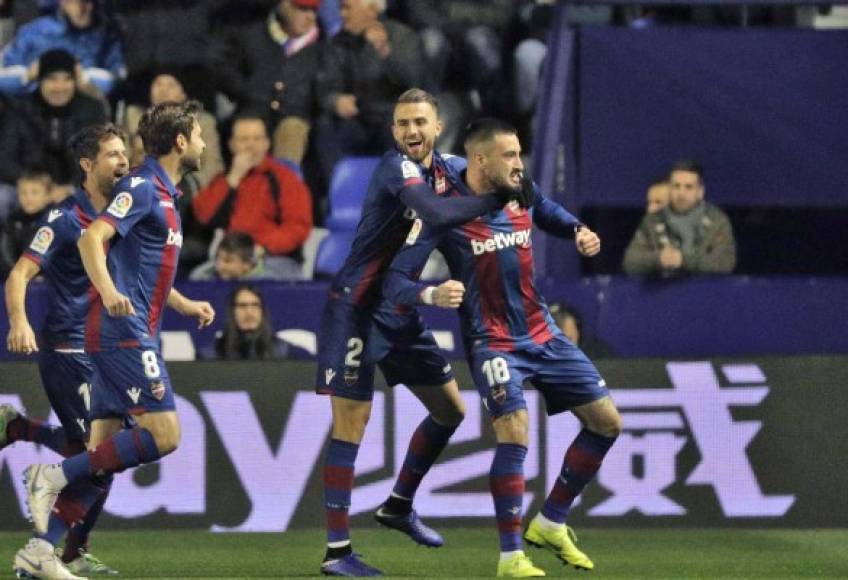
(348, 187)
(332, 253)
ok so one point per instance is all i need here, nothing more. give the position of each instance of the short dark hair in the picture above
(415, 95)
(690, 166)
(36, 173)
(251, 116)
(160, 125)
(485, 129)
(86, 141)
(238, 243)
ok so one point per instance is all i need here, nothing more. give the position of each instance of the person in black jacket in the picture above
(43, 122)
(271, 69)
(17, 231)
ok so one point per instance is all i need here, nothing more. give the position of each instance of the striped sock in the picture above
(36, 431)
(77, 538)
(582, 461)
(428, 441)
(72, 506)
(506, 481)
(338, 487)
(123, 450)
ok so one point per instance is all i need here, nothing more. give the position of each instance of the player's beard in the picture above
(420, 152)
(190, 163)
(501, 181)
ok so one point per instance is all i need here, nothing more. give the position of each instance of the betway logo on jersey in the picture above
(501, 241)
(174, 238)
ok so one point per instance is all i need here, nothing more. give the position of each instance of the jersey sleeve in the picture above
(551, 217)
(53, 232)
(129, 206)
(401, 284)
(401, 172)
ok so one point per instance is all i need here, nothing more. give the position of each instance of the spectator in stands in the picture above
(44, 121)
(161, 33)
(78, 27)
(248, 334)
(235, 259)
(370, 63)
(33, 201)
(174, 84)
(657, 197)
(688, 236)
(271, 69)
(570, 322)
(261, 197)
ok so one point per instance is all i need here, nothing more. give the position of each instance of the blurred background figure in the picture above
(39, 125)
(657, 197)
(261, 197)
(271, 69)
(688, 236)
(77, 26)
(248, 331)
(570, 322)
(235, 259)
(33, 201)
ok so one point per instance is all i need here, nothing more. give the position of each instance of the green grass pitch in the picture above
(470, 553)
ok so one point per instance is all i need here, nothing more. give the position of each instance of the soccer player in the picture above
(359, 331)
(134, 283)
(65, 370)
(510, 337)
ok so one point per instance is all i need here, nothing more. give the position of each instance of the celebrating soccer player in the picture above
(360, 331)
(512, 338)
(65, 370)
(134, 283)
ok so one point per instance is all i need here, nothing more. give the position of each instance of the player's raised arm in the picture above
(21, 338)
(439, 211)
(94, 261)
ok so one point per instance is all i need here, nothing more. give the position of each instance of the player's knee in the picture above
(452, 415)
(512, 428)
(608, 426)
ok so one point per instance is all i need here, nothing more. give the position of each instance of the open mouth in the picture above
(415, 147)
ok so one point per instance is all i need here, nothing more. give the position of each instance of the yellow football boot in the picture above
(519, 566)
(561, 542)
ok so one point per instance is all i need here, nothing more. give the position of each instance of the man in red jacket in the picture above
(260, 197)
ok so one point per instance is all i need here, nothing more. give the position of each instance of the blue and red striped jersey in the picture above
(386, 220)
(142, 258)
(69, 292)
(493, 257)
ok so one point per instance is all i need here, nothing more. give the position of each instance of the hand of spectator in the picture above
(671, 257)
(377, 35)
(32, 71)
(21, 338)
(242, 163)
(201, 310)
(588, 243)
(346, 106)
(449, 294)
(118, 305)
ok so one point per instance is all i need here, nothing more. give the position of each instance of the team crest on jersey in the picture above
(121, 205)
(414, 232)
(441, 184)
(498, 394)
(351, 375)
(42, 239)
(409, 170)
(157, 389)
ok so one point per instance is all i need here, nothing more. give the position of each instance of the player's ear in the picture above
(438, 127)
(86, 164)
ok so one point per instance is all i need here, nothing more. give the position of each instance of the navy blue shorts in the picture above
(130, 381)
(353, 341)
(66, 377)
(558, 369)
